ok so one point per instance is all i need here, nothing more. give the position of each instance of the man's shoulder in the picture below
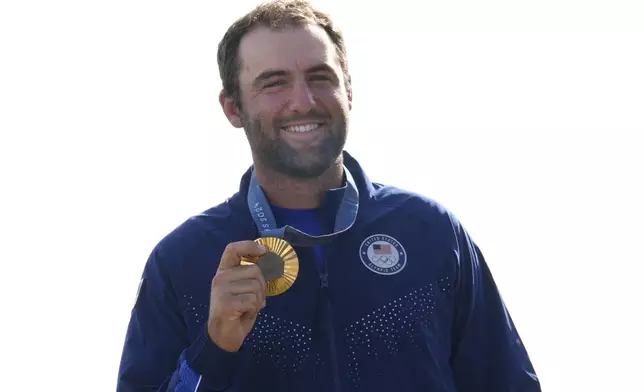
(415, 214)
(408, 202)
(206, 231)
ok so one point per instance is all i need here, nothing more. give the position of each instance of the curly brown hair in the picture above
(276, 14)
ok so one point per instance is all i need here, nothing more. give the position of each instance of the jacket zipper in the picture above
(331, 330)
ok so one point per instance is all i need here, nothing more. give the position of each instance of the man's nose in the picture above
(302, 98)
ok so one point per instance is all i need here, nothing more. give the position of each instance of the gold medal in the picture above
(279, 264)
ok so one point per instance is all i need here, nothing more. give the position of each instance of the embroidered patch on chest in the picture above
(383, 254)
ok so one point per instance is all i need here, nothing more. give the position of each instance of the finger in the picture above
(243, 273)
(246, 286)
(248, 302)
(234, 251)
(240, 272)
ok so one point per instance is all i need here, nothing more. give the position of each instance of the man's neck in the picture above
(287, 192)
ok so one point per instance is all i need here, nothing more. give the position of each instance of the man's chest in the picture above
(389, 273)
(391, 276)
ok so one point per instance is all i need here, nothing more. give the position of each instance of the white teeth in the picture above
(301, 128)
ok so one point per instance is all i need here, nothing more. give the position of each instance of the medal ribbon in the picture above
(265, 220)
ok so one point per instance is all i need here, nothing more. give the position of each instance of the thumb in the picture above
(234, 251)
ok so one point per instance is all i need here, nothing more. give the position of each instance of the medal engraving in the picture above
(272, 266)
(279, 265)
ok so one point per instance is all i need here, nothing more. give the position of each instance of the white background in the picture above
(523, 118)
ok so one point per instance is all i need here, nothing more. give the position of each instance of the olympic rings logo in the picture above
(384, 260)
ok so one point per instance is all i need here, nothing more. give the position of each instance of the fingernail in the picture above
(263, 248)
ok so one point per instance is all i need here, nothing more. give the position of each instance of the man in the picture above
(391, 292)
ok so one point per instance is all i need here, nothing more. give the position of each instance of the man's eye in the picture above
(273, 84)
(318, 78)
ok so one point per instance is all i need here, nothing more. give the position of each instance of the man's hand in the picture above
(237, 294)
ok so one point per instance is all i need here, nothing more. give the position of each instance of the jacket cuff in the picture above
(216, 366)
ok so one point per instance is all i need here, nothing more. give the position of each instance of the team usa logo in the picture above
(383, 255)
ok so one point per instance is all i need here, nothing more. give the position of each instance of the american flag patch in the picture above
(382, 249)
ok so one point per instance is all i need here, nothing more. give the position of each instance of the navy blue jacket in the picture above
(404, 302)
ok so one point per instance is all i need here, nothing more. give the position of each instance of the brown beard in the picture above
(276, 154)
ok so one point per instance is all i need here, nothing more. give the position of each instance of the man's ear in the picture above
(232, 112)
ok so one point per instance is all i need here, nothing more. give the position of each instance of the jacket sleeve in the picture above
(487, 352)
(158, 354)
